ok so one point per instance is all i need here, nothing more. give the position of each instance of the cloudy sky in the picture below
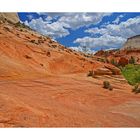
(95, 30)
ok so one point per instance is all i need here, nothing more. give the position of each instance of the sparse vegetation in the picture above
(22, 25)
(33, 41)
(136, 89)
(114, 62)
(132, 60)
(107, 85)
(132, 73)
(40, 41)
(54, 46)
(90, 73)
(102, 60)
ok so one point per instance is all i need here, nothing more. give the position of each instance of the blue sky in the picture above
(96, 31)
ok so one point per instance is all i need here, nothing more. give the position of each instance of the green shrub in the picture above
(136, 89)
(132, 73)
(132, 60)
(107, 85)
(114, 62)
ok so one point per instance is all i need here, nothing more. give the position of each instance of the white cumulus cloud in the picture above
(55, 29)
(125, 29)
(65, 21)
(102, 42)
(112, 34)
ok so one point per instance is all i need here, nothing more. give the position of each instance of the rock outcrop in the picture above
(102, 71)
(123, 61)
(132, 43)
(12, 17)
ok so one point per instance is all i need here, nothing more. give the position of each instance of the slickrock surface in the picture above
(44, 84)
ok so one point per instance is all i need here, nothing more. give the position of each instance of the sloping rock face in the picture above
(113, 69)
(12, 17)
(107, 70)
(25, 53)
(132, 43)
(102, 71)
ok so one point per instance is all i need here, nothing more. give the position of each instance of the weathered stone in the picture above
(102, 71)
(123, 61)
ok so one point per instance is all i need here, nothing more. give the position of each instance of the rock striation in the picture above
(132, 43)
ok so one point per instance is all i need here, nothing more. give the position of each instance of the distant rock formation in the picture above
(132, 43)
(12, 17)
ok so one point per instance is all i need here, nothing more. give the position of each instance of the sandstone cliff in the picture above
(132, 43)
(13, 17)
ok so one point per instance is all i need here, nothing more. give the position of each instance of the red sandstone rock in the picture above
(123, 61)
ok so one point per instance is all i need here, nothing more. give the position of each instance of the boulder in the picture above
(113, 69)
(102, 71)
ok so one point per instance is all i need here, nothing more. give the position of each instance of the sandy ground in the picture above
(68, 101)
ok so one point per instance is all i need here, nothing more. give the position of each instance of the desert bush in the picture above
(114, 62)
(40, 41)
(132, 73)
(54, 46)
(32, 41)
(136, 89)
(90, 73)
(132, 60)
(107, 85)
(102, 60)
